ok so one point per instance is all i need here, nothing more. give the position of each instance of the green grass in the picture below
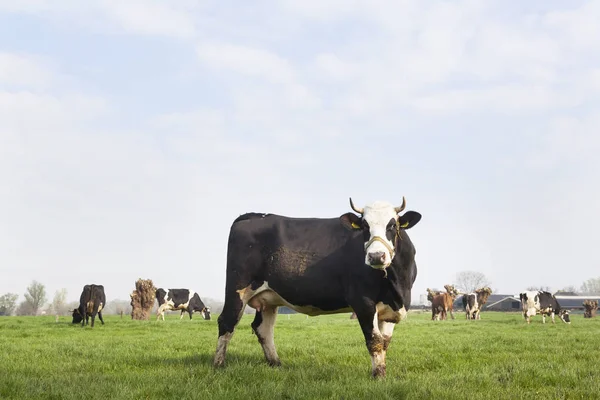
(498, 357)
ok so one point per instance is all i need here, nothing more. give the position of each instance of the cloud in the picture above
(150, 18)
(245, 60)
(18, 70)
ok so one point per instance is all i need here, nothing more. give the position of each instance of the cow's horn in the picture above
(358, 210)
(399, 209)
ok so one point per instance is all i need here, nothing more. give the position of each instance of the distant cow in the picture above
(91, 302)
(545, 303)
(441, 303)
(473, 302)
(180, 299)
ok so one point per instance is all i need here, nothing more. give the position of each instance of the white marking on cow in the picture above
(169, 305)
(377, 215)
(386, 312)
(472, 312)
(222, 348)
(266, 331)
(264, 296)
(531, 306)
(378, 356)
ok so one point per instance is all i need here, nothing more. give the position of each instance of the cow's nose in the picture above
(377, 258)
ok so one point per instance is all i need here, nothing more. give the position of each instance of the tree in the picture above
(24, 308)
(35, 297)
(538, 288)
(8, 303)
(59, 303)
(567, 291)
(469, 281)
(591, 286)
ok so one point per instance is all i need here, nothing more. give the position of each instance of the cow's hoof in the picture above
(379, 372)
(274, 363)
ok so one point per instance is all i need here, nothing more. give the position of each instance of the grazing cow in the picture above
(545, 303)
(441, 303)
(316, 266)
(91, 302)
(180, 299)
(473, 302)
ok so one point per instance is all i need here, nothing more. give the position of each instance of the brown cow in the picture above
(441, 303)
(590, 308)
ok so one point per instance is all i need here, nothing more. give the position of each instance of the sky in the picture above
(133, 132)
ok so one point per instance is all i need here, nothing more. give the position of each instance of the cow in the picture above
(542, 302)
(473, 302)
(363, 263)
(180, 299)
(441, 302)
(91, 302)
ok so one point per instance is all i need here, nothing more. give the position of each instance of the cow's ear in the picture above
(351, 221)
(409, 219)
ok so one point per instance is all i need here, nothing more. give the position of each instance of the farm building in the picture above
(496, 302)
(509, 302)
(574, 302)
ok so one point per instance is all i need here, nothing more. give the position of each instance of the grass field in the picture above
(323, 358)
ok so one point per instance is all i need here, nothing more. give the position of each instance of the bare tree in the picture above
(24, 308)
(538, 288)
(35, 297)
(469, 281)
(8, 303)
(591, 286)
(567, 290)
(59, 303)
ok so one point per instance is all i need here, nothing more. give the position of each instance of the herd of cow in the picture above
(362, 262)
(93, 300)
(532, 303)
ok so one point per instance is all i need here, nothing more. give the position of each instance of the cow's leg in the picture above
(93, 318)
(100, 316)
(367, 319)
(229, 318)
(161, 311)
(387, 330)
(190, 311)
(264, 328)
(181, 316)
(552, 315)
(543, 318)
(452, 313)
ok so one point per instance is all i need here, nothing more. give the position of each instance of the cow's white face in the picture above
(381, 225)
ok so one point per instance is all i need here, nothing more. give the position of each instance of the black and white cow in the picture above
(473, 302)
(545, 303)
(91, 302)
(180, 299)
(363, 263)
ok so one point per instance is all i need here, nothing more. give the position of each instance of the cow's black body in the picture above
(315, 266)
(91, 302)
(180, 299)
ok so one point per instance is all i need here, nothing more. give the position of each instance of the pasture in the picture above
(498, 357)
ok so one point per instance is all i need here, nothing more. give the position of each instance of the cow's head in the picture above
(564, 315)
(77, 317)
(451, 290)
(206, 313)
(381, 226)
